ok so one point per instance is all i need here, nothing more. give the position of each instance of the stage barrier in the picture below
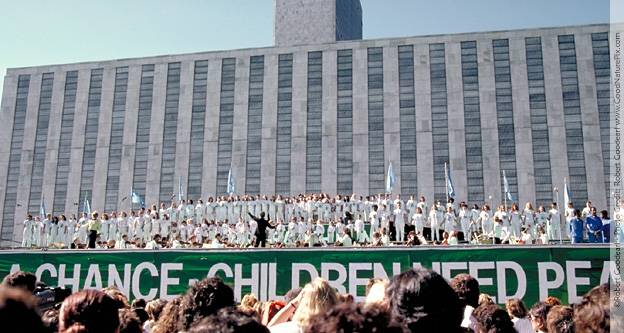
(527, 272)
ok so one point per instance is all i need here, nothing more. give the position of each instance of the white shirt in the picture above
(522, 325)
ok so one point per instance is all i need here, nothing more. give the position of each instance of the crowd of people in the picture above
(319, 220)
(417, 300)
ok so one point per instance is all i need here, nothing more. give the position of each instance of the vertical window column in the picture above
(602, 71)
(254, 124)
(41, 142)
(65, 142)
(198, 120)
(141, 154)
(472, 121)
(170, 130)
(504, 115)
(284, 124)
(111, 201)
(407, 114)
(91, 133)
(226, 121)
(376, 160)
(539, 121)
(344, 165)
(572, 119)
(15, 156)
(314, 123)
(439, 118)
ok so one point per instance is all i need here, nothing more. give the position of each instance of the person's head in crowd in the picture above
(516, 308)
(138, 303)
(467, 289)
(485, 299)
(116, 294)
(538, 314)
(353, 317)
(492, 319)
(50, 320)
(154, 308)
(204, 298)
(248, 303)
(168, 319)
(552, 301)
(229, 320)
(560, 319)
(89, 311)
(423, 301)
(593, 313)
(376, 291)
(316, 297)
(18, 311)
(129, 322)
(21, 279)
(141, 314)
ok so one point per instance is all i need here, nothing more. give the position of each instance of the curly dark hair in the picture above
(168, 320)
(593, 313)
(129, 322)
(203, 299)
(467, 289)
(492, 319)
(559, 319)
(351, 317)
(89, 309)
(21, 279)
(229, 320)
(424, 302)
(18, 311)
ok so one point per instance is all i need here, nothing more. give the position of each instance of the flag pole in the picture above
(446, 184)
(505, 194)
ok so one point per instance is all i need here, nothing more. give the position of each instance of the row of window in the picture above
(407, 116)
(198, 119)
(254, 124)
(226, 118)
(170, 130)
(284, 124)
(376, 160)
(602, 70)
(344, 125)
(314, 122)
(141, 152)
(439, 118)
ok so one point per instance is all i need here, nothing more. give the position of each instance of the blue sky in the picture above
(39, 32)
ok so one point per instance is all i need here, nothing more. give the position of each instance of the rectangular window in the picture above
(226, 115)
(168, 179)
(472, 121)
(407, 115)
(143, 124)
(254, 124)
(344, 163)
(314, 122)
(198, 120)
(284, 124)
(602, 70)
(376, 179)
(439, 118)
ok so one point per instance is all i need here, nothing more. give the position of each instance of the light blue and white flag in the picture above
(450, 189)
(390, 179)
(86, 207)
(136, 199)
(506, 188)
(231, 185)
(567, 197)
(180, 190)
(42, 210)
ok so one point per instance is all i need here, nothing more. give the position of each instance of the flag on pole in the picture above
(136, 199)
(42, 210)
(180, 190)
(566, 193)
(86, 207)
(506, 187)
(450, 189)
(390, 179)
(231, 186)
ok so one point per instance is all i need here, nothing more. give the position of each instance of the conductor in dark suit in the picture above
(263, 224)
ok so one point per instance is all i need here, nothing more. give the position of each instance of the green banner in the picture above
(530, 273)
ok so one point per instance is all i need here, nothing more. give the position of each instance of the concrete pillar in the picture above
(126, 173)
(360, 122)
(269, 125)
(183, 132)
(152, 187)
(239, 134)
(424, 139)
(7, 115)
(522, 121)
(554, 106)
(489, 126)
(329, 183)
(299, 123)
(103, 139)
(392, 129)
(457, 133)
(211, 128)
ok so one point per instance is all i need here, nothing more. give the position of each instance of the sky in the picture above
(41, 32)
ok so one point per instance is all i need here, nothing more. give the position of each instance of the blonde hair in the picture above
(317, 297)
